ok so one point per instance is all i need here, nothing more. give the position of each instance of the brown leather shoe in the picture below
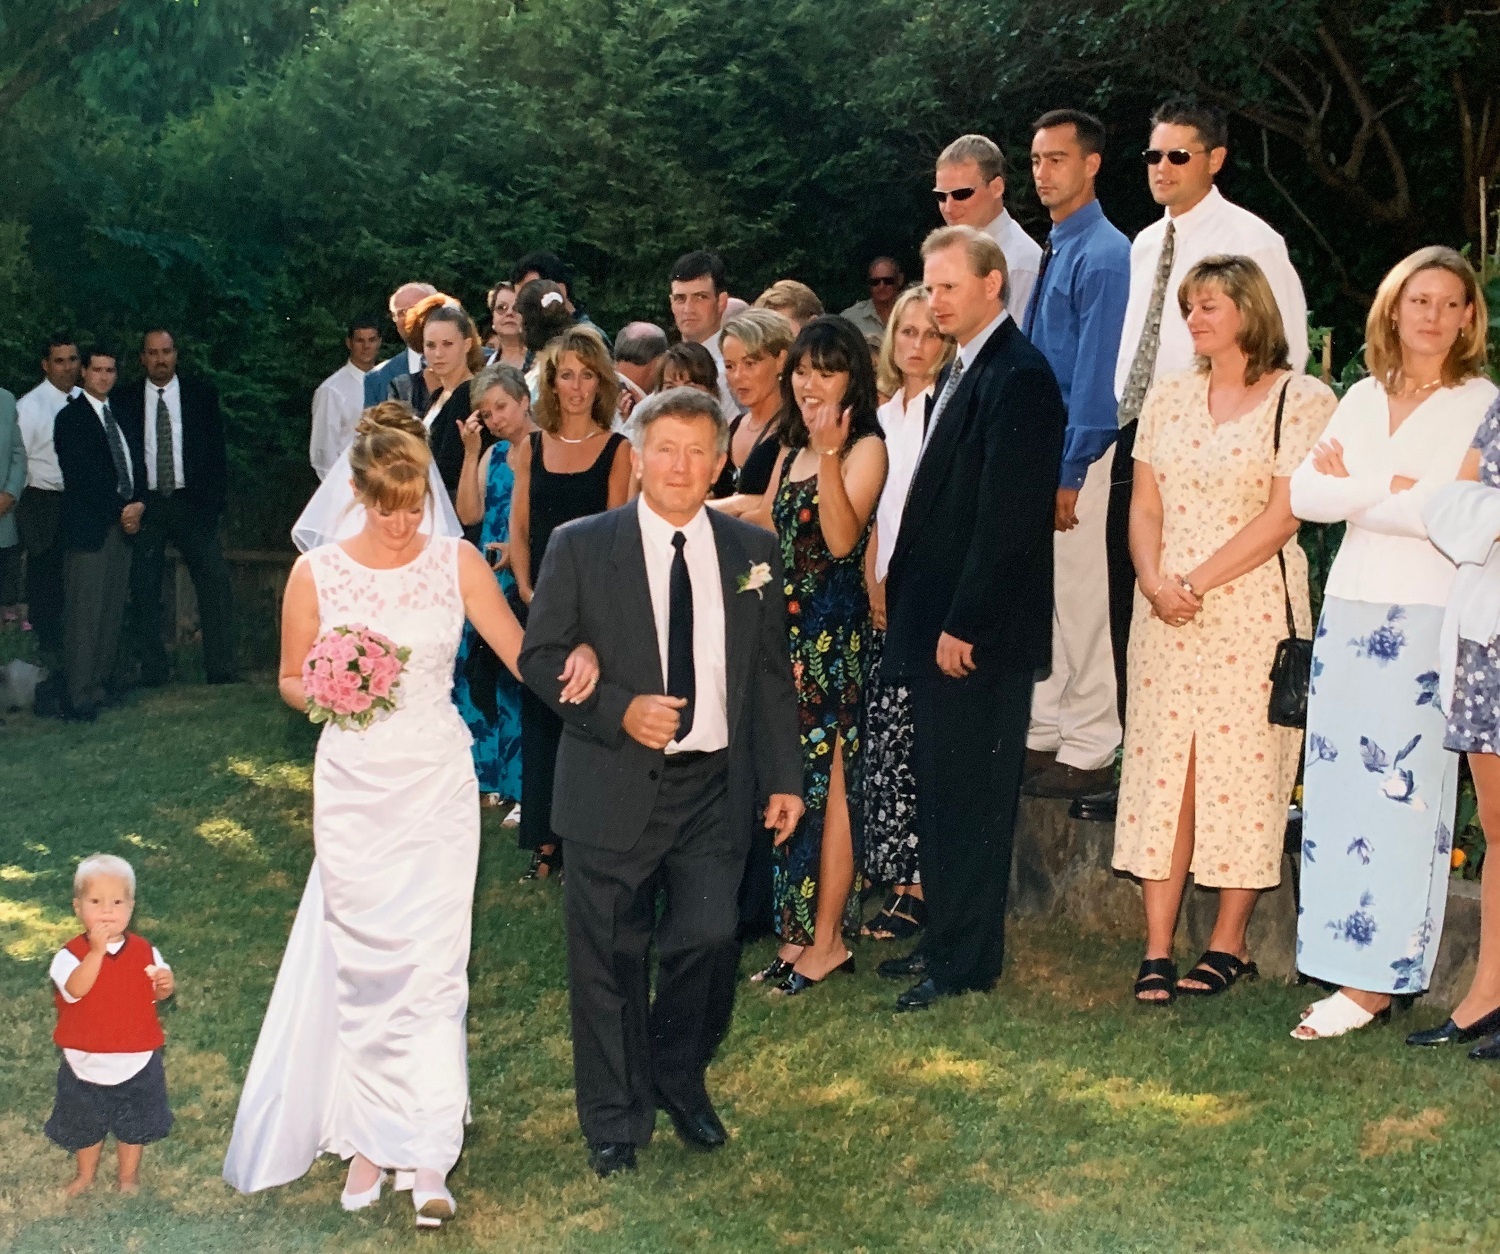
(1061, 780)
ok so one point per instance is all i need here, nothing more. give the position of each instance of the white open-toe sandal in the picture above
(1335, 1016)
(358, 1201)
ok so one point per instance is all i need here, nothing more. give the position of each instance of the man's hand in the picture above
(651, 719)
(7, 503)
(130, 517)
(955, 657)
(783, 813)
(162, 983)
(1065, 517)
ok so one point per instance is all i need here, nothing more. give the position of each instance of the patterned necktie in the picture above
(1035, 302)
(1143, 364)
(681, 677)
(942, 403)
(166, 466)
(124, 483)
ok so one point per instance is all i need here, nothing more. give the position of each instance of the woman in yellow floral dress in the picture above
(1206, 778)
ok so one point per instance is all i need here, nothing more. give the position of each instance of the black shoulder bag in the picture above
(1291, 671)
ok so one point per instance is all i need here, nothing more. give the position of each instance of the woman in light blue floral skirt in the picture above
(1379, 787)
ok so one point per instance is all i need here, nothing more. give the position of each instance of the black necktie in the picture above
(681, 680)
(124, 483)
(1036, 292)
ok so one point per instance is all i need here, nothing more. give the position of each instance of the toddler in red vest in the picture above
(108, 981)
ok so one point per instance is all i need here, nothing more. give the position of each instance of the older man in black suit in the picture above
(691, 733)
(176, 422)
(969, 609)
(104, 483)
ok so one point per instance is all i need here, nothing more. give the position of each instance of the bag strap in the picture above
(1286, 592)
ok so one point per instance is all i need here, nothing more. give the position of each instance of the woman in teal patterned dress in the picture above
(484, 489)
(828, 476)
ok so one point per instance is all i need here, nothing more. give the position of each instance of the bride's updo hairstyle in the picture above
(389, 458)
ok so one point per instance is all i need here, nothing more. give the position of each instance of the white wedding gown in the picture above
(363, 1044)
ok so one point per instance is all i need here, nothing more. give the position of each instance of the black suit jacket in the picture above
(974, 554)
(91, 502)
(205, 462)
(593, 589)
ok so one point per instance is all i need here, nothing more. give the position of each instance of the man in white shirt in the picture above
(41, 502)
(886, 281)
(970, 191)
(700, 296)
(340, 398)
(1188, 147)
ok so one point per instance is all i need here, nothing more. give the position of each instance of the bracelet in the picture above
(1157, 593)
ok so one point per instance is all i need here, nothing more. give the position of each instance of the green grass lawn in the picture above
(1052, 1115)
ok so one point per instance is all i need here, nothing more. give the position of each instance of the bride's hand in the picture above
(580, 675)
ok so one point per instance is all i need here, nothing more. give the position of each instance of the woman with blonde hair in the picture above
(451, 348)
(1206, 778)
(912, 352)
(574, 465)
(1380, 788)
(362, 1051)
(754, 345)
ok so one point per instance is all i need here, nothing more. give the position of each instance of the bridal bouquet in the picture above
(351, 675)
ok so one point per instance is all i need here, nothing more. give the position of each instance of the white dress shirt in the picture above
(36, 412)
(173, 394)
(1023, 262)
(901, 421)
(98, 1068)
(710, 730)
(336, 407)
(99, 410)
(1213, 225)
(1386, 557)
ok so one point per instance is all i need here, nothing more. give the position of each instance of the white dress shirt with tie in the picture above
(1213, 225)
(37, 412)
(172, 392)
(710, 730)
(336, 407)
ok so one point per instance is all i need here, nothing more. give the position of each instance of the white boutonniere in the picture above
(758, 576)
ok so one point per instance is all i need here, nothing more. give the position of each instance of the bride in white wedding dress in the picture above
(362, 1051)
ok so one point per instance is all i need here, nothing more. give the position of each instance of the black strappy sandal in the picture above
(901, 922)
(779, 969)
(544, 864)
(1156, 975)
(1218, 970)
(883, 916)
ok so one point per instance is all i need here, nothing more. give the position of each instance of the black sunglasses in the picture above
(958, 193)
(883, 280)
(1177, 156)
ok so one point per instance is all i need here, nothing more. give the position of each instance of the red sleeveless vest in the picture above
(117, 1015)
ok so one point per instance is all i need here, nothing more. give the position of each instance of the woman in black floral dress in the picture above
(828, 476)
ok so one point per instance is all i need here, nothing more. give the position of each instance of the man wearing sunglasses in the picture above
(886, 282)
(970, 191)
(1189, 143)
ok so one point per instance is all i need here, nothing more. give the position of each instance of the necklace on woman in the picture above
(1426, 387)
(583, 439)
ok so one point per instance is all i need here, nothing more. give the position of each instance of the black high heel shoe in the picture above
(1451, 1034)
(796, 982)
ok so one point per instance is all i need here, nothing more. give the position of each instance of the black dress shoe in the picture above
(610, 1157)
(1095, 807)
(923, 996)
(1451, 1034)
(1486, 1051)
(913, 966)
(1062, 780)
(698, 1126)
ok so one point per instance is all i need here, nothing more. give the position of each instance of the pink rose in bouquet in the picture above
(351, 676)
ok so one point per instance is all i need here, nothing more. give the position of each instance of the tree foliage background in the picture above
(255, 172)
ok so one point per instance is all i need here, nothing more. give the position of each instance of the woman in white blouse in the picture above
(911, 355)
(1379, 787)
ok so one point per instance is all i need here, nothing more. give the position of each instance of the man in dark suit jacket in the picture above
(662, 771)
(104, 483)
(969, 609)
(176, 423)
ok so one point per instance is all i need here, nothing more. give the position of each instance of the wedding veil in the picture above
(333, 513)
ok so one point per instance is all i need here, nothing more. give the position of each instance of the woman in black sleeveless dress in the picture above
(571, 468)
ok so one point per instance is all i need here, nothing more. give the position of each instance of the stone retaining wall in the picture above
(1062, 869)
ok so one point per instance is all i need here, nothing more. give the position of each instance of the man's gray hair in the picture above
(678, 403)
(103, 864)
(981, 150)
(640, 343)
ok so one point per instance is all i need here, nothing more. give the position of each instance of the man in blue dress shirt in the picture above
(1074, 318)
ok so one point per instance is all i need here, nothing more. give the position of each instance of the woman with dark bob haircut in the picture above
(821, 506)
